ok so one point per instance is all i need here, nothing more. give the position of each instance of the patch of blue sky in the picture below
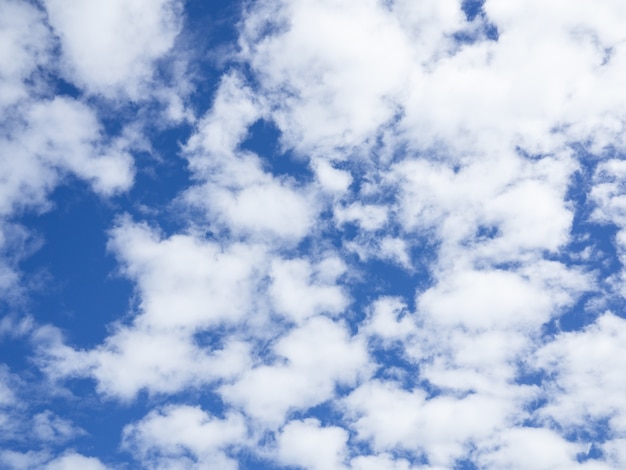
(594, 453)
(465, 465)
(73, 283)
(81, 290)
(162, 175)
(264, 140)
(394, 366)
(248, 459)
(534, 406)
(472, 8)
(327, 412)
(474, 11)
(595, 431)
(386, 278)
(16, 351)
(62, 87)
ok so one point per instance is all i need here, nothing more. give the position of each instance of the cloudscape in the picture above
(313, 234)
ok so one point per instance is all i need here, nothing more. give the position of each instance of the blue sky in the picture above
(317, 234)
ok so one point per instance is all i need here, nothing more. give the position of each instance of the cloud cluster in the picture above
(111, 48)
(56, 64)
(474, 153)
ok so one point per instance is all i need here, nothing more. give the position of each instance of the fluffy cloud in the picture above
(295, 296)
(536, 448)
(176, 304)
(184, 436)
(308, 445)
(112, 47)
(55, 138)
(68, 461)
(236, 191)
(26, 46)
(47, 137)
(345, 83)
(587, 386)
(312, 361)
(453, 148)
(441, 428)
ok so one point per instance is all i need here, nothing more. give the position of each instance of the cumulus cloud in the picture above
(588, 383)
(184, 436)
(473, 154)
(26, 46)
(308, 445)
(235, 190)
(68, 461)
(58, 137)
(176, 304)
(297, 296)
(111, 48)
(48, 136)
(313, 360)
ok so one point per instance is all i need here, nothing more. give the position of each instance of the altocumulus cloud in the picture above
(318, 234)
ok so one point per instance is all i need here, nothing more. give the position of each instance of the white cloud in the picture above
(47, 137)
(16, 244)
(66, 133)
(51, 428)
(55, 138)
(368, 246)
(236, 190)
(111, 47)
(587, 384)
(25, 426)
(221, 130)
(176, 304)
(26, 42)
(381, 462)
(9, 403)
(311, 361)
(330, 178)
(369, 217)
(298, 293)
(186, 282)
(189, 287)
(74, 461)
(485, 300)
(70, 460)
(307, 444)
(615, 452)
(537, 449)
(166, 438)
(443, 428)
(267, 208)
(386, 414)
(135, 359)
(474, 362)
(343, 84)
(468, 146)
(336, 90)
(390, 321)
(395, 249)
(608, 195)
(165, 362)
(457, 204)
(6, 394)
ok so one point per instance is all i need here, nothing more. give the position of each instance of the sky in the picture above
(312, 234)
